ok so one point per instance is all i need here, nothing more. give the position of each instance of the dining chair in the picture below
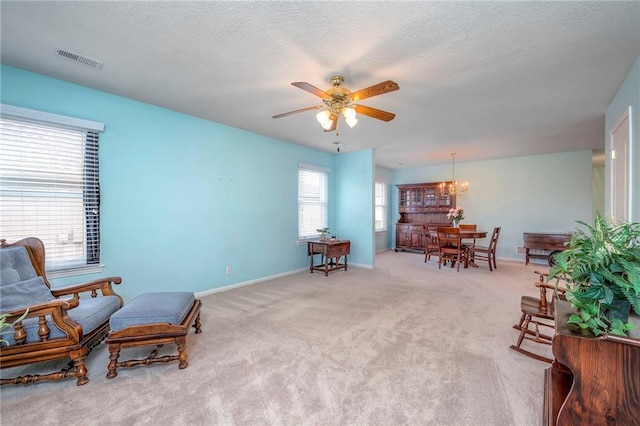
(487, 253)
(469, 227)
(450, 247)
(430, 238)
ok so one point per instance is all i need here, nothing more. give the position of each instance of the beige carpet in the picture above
(402, 344)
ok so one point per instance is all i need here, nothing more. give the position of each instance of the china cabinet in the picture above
(421, 208)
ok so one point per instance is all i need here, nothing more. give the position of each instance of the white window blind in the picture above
(49, 185)
(312, 201)
(381, 206)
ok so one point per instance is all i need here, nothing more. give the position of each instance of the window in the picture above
(312, 200)
(49, 186)
(381, 206)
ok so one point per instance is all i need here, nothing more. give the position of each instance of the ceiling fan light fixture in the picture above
(324, 118)
(349, 112)
(351, 121)
(350, 116)
(340, 100)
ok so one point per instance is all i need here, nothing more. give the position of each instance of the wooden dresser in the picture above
(593, 381)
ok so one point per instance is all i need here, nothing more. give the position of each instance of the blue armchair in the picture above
(59, 322)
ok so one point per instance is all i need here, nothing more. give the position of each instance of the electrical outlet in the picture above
(228, 270)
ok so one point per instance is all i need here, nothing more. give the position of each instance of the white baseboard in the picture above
(250, 282)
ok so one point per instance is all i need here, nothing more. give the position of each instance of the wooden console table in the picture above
(331, 252)
(543, 241)
(593, 381)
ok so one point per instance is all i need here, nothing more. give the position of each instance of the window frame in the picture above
(384, 205)
(322, 202)
(89, 261)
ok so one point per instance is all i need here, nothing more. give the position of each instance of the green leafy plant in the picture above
(4, 325)
(602, 268)
(323, 232)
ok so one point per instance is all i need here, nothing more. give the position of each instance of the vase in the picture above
(456, 223)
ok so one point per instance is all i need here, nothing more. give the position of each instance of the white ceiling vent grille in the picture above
(79, 58)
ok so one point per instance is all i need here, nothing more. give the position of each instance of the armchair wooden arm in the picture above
(57, 311)
(102, 284)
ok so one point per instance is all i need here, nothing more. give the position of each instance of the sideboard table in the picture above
(331, 252)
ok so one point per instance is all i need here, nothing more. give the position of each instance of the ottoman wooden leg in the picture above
(114, 353)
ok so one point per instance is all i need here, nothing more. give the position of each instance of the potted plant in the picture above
(323, 233)
(602, 269)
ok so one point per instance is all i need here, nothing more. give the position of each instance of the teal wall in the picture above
(538, 193)
(354, 204)
(628, 96)
(184, 197)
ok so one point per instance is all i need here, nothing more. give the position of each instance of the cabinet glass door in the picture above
(430, 197)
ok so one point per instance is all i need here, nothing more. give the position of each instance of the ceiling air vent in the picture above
(79, 58)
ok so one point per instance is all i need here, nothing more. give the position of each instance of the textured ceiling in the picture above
(483, 79)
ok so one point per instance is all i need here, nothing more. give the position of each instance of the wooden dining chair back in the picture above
(450, 247)
(487, 253)
(469, 227)
(538, 312)
(430, 238)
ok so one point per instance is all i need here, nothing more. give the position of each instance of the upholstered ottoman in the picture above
(153, 319)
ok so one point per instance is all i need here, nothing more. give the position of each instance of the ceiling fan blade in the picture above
(284, 114)
(334, 123)
(375, 113)
(311, 89)
(375, 90)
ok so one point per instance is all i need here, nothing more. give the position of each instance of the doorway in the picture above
(620, 177)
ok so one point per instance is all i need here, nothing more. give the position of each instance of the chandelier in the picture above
(453, 188)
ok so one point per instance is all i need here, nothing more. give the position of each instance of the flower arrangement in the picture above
(456, 214)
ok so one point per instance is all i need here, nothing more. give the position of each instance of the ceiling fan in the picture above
(338, 99)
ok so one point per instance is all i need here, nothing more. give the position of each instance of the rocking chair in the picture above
(536, 313)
